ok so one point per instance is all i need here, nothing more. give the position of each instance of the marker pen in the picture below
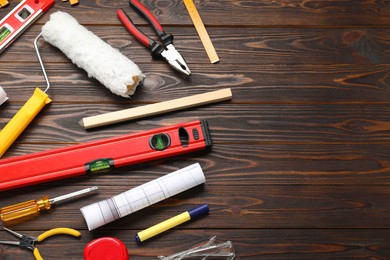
(194, 213)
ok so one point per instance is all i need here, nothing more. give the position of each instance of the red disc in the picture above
(106, 248)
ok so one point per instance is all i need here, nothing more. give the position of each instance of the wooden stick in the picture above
(157, 108)
(201, 30)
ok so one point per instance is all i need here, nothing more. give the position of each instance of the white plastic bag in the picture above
(3, 96)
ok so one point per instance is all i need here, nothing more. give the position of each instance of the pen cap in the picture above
(199, 211)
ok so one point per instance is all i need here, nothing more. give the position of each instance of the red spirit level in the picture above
(20, 18)
(104, 154)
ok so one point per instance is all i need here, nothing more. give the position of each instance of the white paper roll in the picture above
(3, 96)
(106, 211)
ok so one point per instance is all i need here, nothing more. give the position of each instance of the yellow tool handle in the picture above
(58, 231)
(22, 118)
(24, 209)
(3, 3)
(37, 254)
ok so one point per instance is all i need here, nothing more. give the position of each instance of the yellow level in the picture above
(203, 35)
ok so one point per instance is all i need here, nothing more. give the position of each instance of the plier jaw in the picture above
(173, 57)
(26, 242)
(164, 50)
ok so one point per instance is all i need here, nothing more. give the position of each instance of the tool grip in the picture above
(19, 210)
(22, 118)
(37, 255)
(145, 13)
(58, 231)
(24, 209)
(152, 20)
(133, 30)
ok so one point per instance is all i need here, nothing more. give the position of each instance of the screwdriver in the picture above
(32, 207)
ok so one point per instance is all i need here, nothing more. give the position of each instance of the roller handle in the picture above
(22, 119)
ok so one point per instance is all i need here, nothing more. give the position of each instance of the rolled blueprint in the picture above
(106, 211)
(3, 96)
(101, 61)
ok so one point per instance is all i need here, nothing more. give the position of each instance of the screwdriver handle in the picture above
(24, 209)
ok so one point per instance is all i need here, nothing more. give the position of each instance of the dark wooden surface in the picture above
(301, 158)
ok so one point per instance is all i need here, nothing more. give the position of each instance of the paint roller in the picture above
(101, 61)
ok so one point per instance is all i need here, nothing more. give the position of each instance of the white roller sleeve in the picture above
(101, 61)
(123, 204)
(3, 96)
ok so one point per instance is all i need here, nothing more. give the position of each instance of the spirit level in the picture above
(20, 18)
(104, 154)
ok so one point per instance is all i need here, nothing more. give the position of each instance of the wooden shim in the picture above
(157, 108)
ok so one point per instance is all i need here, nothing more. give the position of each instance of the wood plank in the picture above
(229, 123)
(269, 84)
(300, 163)
(231, 206)
(237, 12)
(286, 46)
(248, 244)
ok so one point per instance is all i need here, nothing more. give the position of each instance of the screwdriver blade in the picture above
(73, 194)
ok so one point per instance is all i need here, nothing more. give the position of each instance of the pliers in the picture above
(27, 242)
(166, 50)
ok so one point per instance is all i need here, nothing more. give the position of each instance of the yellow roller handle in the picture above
(22, 118)
(3, 3)
(24, 209)
(58, 231)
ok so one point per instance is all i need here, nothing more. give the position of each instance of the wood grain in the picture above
(300, 166)
(254, 45)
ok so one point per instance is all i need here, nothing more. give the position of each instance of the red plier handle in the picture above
(132, 29)
(144, 12)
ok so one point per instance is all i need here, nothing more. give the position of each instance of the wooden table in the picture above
(301, 157)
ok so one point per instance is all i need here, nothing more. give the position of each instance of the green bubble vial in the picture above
(4, 32)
